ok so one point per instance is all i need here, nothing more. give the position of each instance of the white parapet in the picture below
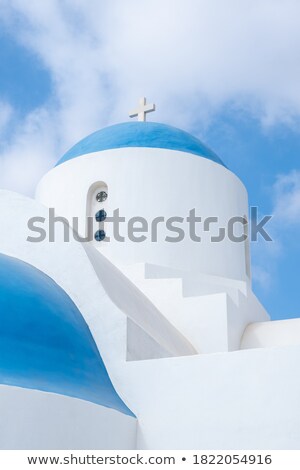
(271, 334)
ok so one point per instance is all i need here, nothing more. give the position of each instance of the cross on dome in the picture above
(142, 110)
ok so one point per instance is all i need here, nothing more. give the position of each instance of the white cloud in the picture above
(262, 276)
(30, 153)
(283, 228)
(192, 57)
(287, 199)
(6, 113)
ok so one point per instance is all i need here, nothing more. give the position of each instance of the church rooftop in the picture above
(140, 134)
(45, 343)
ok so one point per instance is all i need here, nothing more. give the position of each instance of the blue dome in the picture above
(45, 343)
(140, 134)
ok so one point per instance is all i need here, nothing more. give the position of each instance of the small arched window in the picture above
(97, 203)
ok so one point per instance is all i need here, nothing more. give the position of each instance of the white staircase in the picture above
(211, 312)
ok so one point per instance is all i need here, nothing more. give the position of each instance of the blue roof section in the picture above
(140, 134)
(45, 344)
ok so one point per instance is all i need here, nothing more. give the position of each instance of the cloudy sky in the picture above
(227, 71)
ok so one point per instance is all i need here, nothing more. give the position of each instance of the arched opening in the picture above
(97, 208)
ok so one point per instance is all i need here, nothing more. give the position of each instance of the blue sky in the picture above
(227, 72)
(24, 82)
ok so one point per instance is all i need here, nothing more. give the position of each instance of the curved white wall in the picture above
(31, 419)
(271, 334)
(152, 183)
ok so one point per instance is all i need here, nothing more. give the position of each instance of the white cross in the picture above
(142, 110)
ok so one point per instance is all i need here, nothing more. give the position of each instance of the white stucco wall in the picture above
(243, 399)
(105, 294)
(151, 183)
(96, 296)
(238, 400)
(31, 419)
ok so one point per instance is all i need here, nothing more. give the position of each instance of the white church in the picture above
(148, 341)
